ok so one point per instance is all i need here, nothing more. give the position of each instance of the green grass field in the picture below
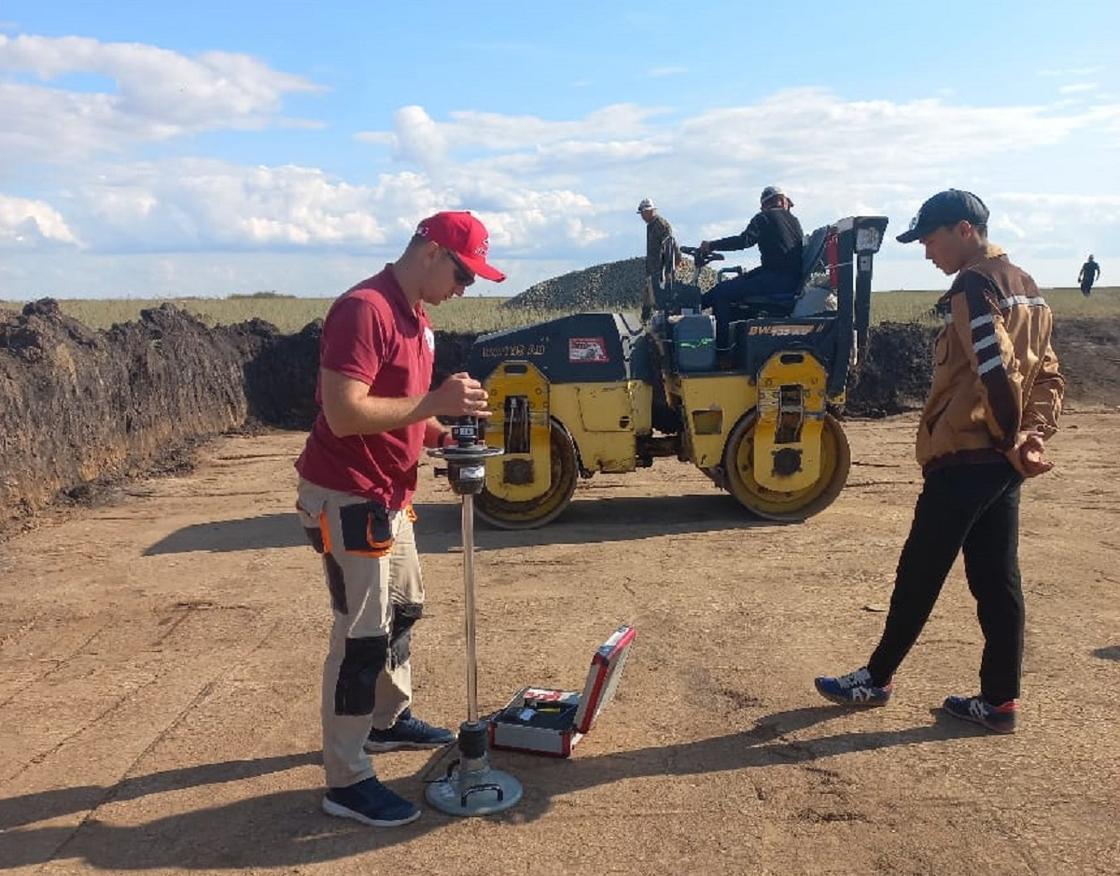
(474, 314)
(479, 314)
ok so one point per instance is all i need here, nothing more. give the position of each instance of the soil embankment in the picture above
(80, 408)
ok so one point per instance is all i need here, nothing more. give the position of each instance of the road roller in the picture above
(607, 392)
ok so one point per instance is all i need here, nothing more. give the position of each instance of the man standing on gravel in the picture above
(357, 477)
(995, 399)
(1088, 275)
(659, 237)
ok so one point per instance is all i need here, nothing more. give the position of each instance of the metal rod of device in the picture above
(471, 786)
(468, 606)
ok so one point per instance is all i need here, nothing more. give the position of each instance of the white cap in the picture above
(771, 192)
(645, 204)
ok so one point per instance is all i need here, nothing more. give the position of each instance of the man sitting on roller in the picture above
(771, 286)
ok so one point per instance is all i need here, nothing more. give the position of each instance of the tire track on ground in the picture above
(187, 611)
(58, 665)
(111, 792)
(43, 755)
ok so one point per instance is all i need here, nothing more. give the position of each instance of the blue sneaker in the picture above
(370, 802)
(1000, 719)
(408, 732)
(853, 689)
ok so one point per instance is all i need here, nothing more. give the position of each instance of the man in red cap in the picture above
(357, 477)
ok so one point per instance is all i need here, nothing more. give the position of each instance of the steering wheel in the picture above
(701, 260)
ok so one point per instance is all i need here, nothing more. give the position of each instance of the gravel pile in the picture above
(612, 285)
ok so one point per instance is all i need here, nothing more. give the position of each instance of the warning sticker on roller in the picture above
(587, 350)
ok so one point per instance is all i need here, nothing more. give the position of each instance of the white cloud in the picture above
(194, 204)
(560, 191)
(32, 224)
(158, 94)
(1110, 203)
(798, 134)
(811, 129)
(416, 136)
(1005, 224)
(1056, 222)
(838, 157)
(525, 220)
(1079, 87)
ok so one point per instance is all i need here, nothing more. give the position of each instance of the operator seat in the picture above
(757, 306)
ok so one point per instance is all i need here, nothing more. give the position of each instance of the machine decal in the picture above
(513, 351)
(784, 330)
(587, 350)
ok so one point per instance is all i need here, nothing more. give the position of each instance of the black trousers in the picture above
(770, 290)
(974, 508)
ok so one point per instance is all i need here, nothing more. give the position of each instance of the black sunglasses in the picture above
(462, 276)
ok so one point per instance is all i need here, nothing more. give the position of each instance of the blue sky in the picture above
(157, 149)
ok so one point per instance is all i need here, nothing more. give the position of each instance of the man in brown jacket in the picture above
(995, 399)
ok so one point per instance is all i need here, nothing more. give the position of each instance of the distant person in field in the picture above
(773, 284)
(357, 477)
(994, 401)
(1088, 276)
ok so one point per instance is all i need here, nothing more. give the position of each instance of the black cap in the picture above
(945, 208)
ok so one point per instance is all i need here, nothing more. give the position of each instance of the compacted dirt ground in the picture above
(160, 671)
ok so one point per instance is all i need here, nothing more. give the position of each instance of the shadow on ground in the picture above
(608, 519)
(286, 829)
(224, 536)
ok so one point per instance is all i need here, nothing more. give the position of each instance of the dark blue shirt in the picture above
(778, 235)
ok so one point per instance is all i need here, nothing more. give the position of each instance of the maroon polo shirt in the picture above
(372, 334)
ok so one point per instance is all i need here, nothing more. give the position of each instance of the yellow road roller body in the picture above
(605, 393)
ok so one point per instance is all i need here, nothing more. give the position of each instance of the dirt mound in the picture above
(1089, 353)
(80, 407)
(895, 374)
(612, 285)
(280, 379)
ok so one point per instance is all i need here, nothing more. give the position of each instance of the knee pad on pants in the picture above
(400, 639)
(363, 661)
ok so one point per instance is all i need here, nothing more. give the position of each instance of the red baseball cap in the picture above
(465, 236)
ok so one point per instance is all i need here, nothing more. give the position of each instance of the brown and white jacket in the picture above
(994, 373)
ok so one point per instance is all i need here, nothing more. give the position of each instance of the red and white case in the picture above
(551, 722)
